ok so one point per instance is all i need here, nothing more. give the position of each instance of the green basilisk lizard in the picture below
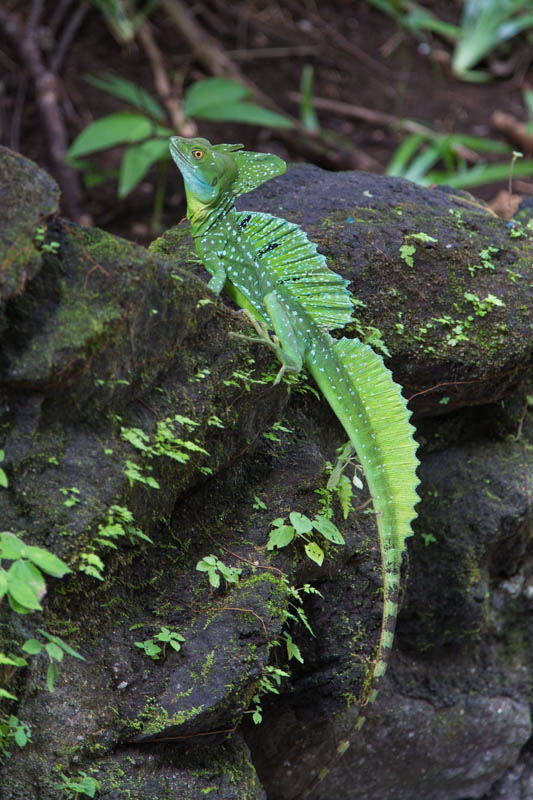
(269, 267)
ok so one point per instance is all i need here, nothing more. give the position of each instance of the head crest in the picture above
(253, 168)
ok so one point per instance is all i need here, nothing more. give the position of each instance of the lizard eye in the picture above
(198, 153)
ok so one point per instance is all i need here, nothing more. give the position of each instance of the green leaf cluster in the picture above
(426, 157)
(216, 568)
(301, 527)
(155, 646)
(81, 784)
(119, 522)
(55, 648)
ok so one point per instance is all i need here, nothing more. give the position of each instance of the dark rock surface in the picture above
(117, 372)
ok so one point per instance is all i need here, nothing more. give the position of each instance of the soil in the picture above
(360, 56)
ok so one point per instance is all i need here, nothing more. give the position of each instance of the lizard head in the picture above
(207, 172)
(211, 171)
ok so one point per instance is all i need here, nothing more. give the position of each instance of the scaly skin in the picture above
(270, 268)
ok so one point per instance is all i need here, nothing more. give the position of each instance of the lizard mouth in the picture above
(176, 151)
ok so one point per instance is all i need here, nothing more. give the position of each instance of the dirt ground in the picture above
(361, 58)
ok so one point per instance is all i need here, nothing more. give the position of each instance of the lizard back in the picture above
(282, 251)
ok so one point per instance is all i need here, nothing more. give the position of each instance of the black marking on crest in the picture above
(244, 221)
(267, 249)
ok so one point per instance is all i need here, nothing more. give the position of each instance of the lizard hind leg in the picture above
(289, 356)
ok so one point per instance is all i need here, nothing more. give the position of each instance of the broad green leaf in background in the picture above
(11, 547)
(300, 522)
(204, 95)
(114, 129)
(485, 24)
(280, 536)
(128, 91)
(224, 100)
(47, 561)
(136, 162)
(25, 585)
(328, 529)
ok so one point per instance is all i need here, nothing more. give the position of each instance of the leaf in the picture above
(47, 561)
(120, 128)
(52, 675)
(32, 647)
(7, 695)
(11, 547)
(54, 651)
(212, 92)
(61, 644)
(25, 584)
(20, 737)
(314, 552)
(13, 661)
(137, 161)
(246, 113)
(293, 651)
(128, 91)
(281, 537)
(344, 493)
(328, 529)
(301, 523)
(3, 479)
(3, 582)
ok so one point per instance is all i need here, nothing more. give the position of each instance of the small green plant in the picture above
(47, 247)
(485, 25)
(420, 155)
(165, 441)
(92, 565)
(119, 522)
(72, 495)
(216, 568)
(3, 477)
(134, 474)
(339, 482)
(485, 257)
(156, 646)
(55, 648)
(482, 307)
(79, 784)
(268, 682)
(13, 729)
(301, 528)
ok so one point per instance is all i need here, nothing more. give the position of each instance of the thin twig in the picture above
(274, 52)
(203, 46)
(207, 50)
(57, 16)
(16, 118)
(374, 117)
(33, 17)
(68, 35)
(47, 93)
(162, 83)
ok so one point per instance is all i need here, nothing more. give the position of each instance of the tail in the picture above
(370, 406)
